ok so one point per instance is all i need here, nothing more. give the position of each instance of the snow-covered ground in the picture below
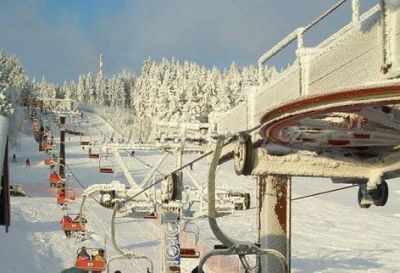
(330, 233)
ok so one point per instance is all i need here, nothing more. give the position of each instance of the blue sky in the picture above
(60, 39)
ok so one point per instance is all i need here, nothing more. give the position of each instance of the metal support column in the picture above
(179, 156)
(170, 245)
(62, 146)
(274, 220)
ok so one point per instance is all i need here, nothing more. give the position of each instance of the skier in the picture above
(27, 162)
(82, 115)
(14, 158)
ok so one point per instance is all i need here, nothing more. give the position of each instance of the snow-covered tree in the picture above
(90, 85)
(12, 82)
(169, 90)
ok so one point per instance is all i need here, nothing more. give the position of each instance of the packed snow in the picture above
(330, 233)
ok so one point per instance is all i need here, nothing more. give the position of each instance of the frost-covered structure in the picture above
(339, 101)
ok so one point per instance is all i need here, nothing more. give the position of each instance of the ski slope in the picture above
(330, 233)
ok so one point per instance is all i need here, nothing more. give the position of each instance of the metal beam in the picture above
(62, 146)
(274, 220)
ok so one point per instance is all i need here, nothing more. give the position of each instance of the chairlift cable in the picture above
(147, 165)
(190, 163)
(323, 192)
(77, 180)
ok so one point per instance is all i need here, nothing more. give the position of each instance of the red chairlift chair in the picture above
(67, 196)
(74, 226)
(89, 264)
(56, 180)
(50, 161)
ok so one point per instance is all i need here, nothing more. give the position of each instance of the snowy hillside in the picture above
(330, 233)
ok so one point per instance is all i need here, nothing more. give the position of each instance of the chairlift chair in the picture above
(68, 196)
(84, 140)
(231, 246)
(50, 161)
(152, 215)
(45, 144)
(74, 226)
(95, 154)
(90, 264)
(56, 180)
(106, 166)
(142, 208)
(191, 250)
(124, 254)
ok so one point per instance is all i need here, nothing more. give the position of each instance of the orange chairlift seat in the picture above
(89, 262)
(50, 161)
(73, 225)
(56, 180)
